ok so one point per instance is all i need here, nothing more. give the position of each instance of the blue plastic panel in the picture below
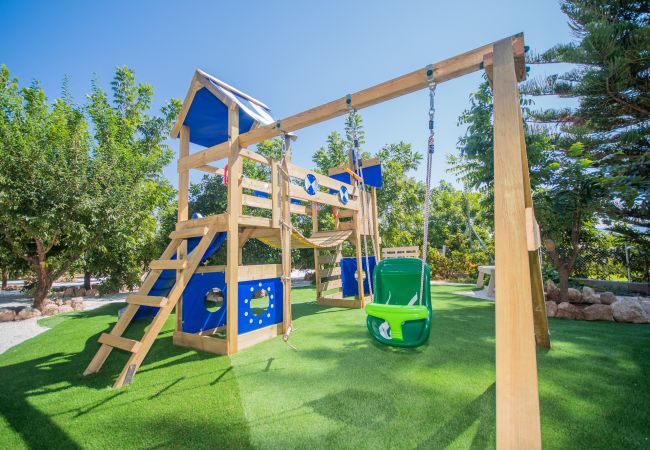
(196, 317)
(348, 271)
(273, 313)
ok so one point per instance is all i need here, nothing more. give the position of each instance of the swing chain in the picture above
(427, 198)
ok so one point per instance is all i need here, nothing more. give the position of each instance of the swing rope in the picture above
(427, 198)
(283, 172)
(365, 219)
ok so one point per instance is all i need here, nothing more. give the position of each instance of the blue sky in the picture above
(292, 55)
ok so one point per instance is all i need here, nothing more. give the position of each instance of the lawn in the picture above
(339, 390)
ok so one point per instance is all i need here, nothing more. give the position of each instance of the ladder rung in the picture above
(168, 264)
(189, 232)
(146, 300)
(119, 342)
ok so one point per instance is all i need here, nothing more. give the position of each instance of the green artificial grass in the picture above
(339, 390)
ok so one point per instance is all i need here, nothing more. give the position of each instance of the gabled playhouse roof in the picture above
(205, 110)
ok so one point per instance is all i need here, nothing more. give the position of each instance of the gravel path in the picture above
(13, 333)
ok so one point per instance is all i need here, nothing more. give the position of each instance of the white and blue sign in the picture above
(311, 184)
(344, 195)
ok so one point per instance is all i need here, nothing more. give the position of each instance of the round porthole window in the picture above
(213, 299)
(259, 302)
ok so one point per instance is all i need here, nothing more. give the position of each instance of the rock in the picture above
(92, 293)
(574, 295)
(78, 304)
(79, 292)
(59, 303)
(65, 309)
(50, 309)
(566, 310)
(646, 307)
(7, 315)
(607, 298)
(598, 312)
(551, 309)
(630, 311)
(27, 312)
(67, 303)
(69, 292)
(59, 294)
(552, 292)
(589, 295)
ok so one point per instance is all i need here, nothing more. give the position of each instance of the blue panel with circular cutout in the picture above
(253, 318)
(196, 317)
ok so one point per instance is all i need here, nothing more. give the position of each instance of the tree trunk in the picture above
(564, 282)
(87, 284)
(43, 282)
(5, 278)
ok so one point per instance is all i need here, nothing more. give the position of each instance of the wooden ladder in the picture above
(185, 267)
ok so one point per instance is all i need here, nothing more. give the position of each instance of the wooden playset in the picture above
(227, 122)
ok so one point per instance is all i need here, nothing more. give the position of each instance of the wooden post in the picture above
(286, 241)
(314, 229)
(183, 214)
(234, 211)
(517, 400)
(375, 224)
(540, 320)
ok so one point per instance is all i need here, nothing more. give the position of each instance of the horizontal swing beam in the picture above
(445, 70)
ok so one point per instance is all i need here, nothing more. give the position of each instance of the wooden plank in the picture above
(252, 221)
(330, 272)
(203, 157)
(219, 220)
(299, 192)
(325, 181)
(259, 271)
(252, 338)
(186, 233)
(146, 300)
(128, 345)
(201, 342)
(255, 156)
(340, 302)
(332, 284)
(210, 269)
(364, 163)
(374, 210)
(276, 210)
(330, 259)
(183, 211)
(285, 230)
(314, 229)
(443, 71)
(235, 165)
(401, 252)
(167, 264)
(532, 231)
(517, 405)
(267, 203)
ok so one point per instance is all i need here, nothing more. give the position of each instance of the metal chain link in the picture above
(363, 193)
(427, 197)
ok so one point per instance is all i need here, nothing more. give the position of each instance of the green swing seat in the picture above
(396, 316)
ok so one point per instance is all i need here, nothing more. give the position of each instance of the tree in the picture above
(568, 193)
(128, 157)
(63, 194)
(610, 80)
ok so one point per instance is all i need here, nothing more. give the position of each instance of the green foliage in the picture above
(611, 83)
(67, 193)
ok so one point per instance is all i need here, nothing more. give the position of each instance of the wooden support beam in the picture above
(234, 212)
(168, 264)
(254, 337)
(314, 229)
(285, 230)
(201, 342)
(517, 400)
(443, 71)
(146, 300)
(122, 343)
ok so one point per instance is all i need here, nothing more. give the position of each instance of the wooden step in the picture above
(146, 300)
(119, 342)
(168, 264)
(189, 233)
